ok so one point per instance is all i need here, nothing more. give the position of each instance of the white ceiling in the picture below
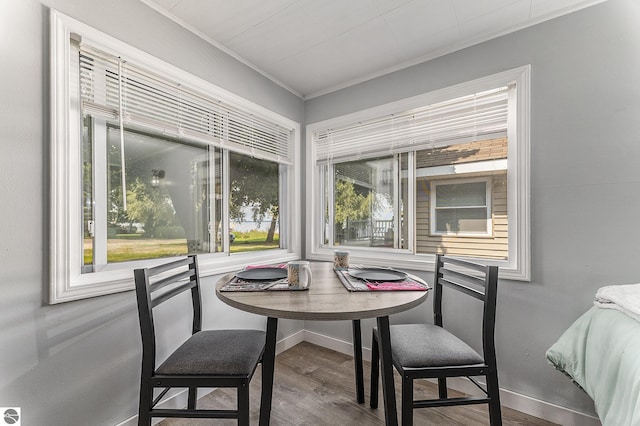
(312, 47)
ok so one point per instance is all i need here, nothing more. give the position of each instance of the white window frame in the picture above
(433, 209)
(66, 280)
(518, 265)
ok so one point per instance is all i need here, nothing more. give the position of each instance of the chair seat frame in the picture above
(484, 288)
(149, 280)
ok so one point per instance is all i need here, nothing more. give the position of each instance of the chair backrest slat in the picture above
(155, 270)
(173, 292)
(172, 279)
(463, 288)
(467, 264)
(464, 277)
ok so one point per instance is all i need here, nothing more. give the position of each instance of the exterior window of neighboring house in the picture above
(149, 163)
(461, 208)
(444, 172)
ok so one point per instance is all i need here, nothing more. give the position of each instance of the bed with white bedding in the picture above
(600, 352)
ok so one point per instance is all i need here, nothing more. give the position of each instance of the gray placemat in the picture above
(356, 284)
(237, 284)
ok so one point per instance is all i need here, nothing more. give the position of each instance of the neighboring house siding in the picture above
(492, 149)
(494, 246)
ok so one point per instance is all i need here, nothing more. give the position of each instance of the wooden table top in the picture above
(326, 299)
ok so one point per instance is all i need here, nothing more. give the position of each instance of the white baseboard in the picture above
(290, 341)
(532, 406)
(334, 344)
(179, 400)
(525, 404)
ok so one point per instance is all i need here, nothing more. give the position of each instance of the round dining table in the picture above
(326, 299)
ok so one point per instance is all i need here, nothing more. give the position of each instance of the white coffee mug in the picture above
(295, 270)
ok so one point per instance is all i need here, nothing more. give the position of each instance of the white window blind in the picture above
(459, 120)
(112, 88)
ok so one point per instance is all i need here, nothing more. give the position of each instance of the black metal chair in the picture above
(207, 359)
(422, 351)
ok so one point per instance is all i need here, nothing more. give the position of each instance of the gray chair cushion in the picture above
(426, 345)
(216, 352)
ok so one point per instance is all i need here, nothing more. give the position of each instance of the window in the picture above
(254, 203)
(366, 207)
(168, 201)
(149, 162)
(443, 172)
(461, 208)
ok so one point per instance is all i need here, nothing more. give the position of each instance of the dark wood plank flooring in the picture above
(315, 386)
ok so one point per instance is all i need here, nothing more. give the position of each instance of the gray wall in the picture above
(78, 363)
(585, 177)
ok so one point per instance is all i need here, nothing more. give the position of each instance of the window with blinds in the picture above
(115, 89)
(149, 162)
(169, 167)
(439, 172)
(460, 120)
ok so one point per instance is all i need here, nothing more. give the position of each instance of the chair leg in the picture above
(357, 359)
(268, 369)
(386, 371)
(192, 397)
(407, 401)
(144, 408)
(442, 388)
(375, 371)
(495, 414)
(243, 405)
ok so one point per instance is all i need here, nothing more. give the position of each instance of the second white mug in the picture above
(299, 274)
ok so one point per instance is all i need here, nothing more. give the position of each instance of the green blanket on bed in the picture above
(601, 353)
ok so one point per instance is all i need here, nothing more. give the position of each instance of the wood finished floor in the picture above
(315, 386)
